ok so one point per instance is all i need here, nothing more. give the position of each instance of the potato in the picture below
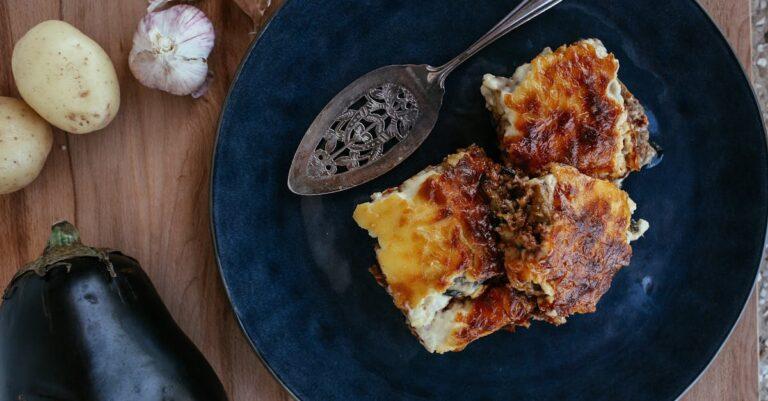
(66, 77)
(25, 141)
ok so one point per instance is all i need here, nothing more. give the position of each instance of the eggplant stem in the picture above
(63, 244)
(63, 233)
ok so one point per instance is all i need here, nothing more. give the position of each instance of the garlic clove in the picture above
(170, 50)
(200, 91)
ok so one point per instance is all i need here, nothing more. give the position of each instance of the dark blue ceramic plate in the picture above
(296, 268)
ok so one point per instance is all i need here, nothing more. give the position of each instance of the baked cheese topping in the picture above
(435, 241)
(567, 106)
(580, 245)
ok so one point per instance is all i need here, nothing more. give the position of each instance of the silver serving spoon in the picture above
(381, 118)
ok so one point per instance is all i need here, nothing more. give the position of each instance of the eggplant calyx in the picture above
(63, 244)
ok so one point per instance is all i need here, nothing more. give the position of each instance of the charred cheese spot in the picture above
(568, 106)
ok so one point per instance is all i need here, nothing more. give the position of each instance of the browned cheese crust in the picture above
(457, 192)
(565, 253)
(432, 231)
(497, 308)
(566, 115)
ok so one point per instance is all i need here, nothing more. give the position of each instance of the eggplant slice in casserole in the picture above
(437, 249)
(564, 236)
(568, 106)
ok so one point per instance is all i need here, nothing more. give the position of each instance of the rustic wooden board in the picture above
(141, 185)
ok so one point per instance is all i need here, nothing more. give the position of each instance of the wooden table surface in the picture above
(141, 185)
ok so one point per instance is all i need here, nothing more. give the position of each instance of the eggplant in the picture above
(86, 324)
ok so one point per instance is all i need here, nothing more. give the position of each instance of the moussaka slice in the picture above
(568, 106)
(436, 243)
(564, 236)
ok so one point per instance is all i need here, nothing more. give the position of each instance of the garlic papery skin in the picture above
(171, 48)
(155, 4)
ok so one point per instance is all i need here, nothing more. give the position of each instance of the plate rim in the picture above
(246, 56)
(764, 254)
(211, 213)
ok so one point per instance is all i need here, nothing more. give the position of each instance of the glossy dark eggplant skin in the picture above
(82, 335)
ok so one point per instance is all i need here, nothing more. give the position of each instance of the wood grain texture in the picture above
(141, 185)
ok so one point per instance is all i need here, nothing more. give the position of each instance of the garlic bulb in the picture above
(170, 50)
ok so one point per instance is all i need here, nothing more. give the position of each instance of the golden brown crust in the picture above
(498, 307)
(457, 191)
(442, 232)
(565, 112)
(567, 258)
(577, 125)
(588, 241)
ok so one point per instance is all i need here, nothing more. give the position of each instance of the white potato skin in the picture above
(25, 141)
(66, 77)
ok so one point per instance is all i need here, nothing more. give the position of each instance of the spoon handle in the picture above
(524, 12)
